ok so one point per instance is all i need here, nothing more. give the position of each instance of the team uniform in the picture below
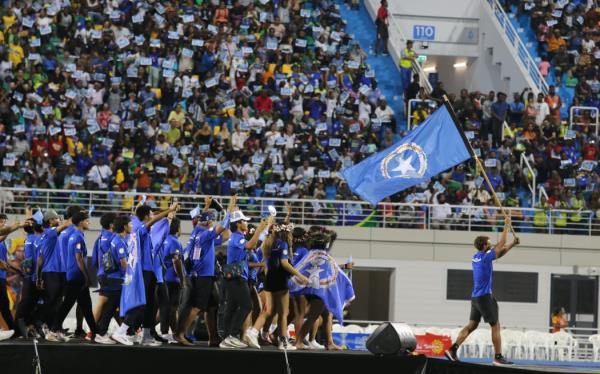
(114, 279)
(150, 277)
(4, 303)
(170, 298)
(239, 302)
(483, 304)
(29, 293)
(51, 276)
(75, 288)
(101, 246)
(202, 270)
(277, 277)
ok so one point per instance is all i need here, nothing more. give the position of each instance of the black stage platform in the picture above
(86, 358)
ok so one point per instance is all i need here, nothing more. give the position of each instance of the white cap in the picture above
(238, 215)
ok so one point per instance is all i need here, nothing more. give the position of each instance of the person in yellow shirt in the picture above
(9, 19)
(15, 54)
(407, 56)
(177, 116)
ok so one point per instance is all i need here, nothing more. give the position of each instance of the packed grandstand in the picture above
(271, 100)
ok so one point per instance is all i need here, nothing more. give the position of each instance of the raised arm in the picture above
(261, 227)
(161, 215)
(501, 248)
(224, 225)
(5, 231)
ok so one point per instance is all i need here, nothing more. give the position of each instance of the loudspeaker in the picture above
(392, 339)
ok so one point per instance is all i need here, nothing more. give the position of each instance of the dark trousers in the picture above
(29, 298)
(5, 306)
(496, 133)
(168, 299)
(134, 318)
(76, 290)
(151, 307)
(239, 304)
(114, 299)
(52, 295)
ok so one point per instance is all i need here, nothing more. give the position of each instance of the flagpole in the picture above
(479, 166)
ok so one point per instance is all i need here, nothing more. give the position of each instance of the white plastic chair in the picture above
(512, 343)
(352, 329)
(370, 329)
(595, 340)
(537, 345)
(561, 346)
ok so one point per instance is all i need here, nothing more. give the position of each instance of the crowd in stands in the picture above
(260, 98)
(254, 96)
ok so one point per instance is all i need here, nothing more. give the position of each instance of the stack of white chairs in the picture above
(561, 344)
(595, 340)
(513, 344)
(478, 344)
(370, 329)
(336, 328)
(537, 345)
(352, 329)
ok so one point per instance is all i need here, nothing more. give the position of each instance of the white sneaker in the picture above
(104, 339)
(226, 344)
(237, 343)
(4, 335)
(314, 345)
(284, 344)
(137, 338)
(63, 337)
(251, 338)
(169, 338)
(52, 336)
(121, 338)
(151, 342)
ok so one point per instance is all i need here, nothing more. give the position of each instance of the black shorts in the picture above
(201, 294)
(173, 288)
(276, 280)
(109, 286)
(484, 306)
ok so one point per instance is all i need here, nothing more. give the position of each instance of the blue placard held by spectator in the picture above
(423, 32)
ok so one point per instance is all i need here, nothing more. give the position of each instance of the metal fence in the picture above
(322, 212)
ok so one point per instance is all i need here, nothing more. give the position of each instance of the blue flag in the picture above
(158, 234)
(436, 145)
(326, 281)
(133, 293)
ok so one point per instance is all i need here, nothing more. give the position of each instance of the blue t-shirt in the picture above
(171, 247)
(48, 249)
(203, 253)
(279, 252)
(252, 272)
(76, 245)
(236, 251)
(299, 253)
(30, 257)
(63, 245)
(482, 272)
(101, 246)
(118, 248)
(500, 109)
(146, 248)
(3, 257)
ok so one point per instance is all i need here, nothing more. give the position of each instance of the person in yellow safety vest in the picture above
(407, 56)
(577, 203)
(540, 217)
(560, 216)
